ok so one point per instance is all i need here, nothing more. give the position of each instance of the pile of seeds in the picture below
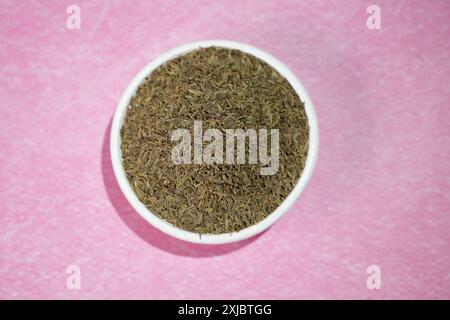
(224, 89)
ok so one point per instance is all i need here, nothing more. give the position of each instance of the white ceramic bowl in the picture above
(169, 228)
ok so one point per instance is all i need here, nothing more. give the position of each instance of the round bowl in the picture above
(169, 228)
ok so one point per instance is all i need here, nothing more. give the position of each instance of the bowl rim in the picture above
(165, 226)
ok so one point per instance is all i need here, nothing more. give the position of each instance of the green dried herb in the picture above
(224, 89)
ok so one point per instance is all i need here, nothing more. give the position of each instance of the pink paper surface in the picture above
(379, 195)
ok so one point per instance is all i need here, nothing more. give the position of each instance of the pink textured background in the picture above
(380, 194)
